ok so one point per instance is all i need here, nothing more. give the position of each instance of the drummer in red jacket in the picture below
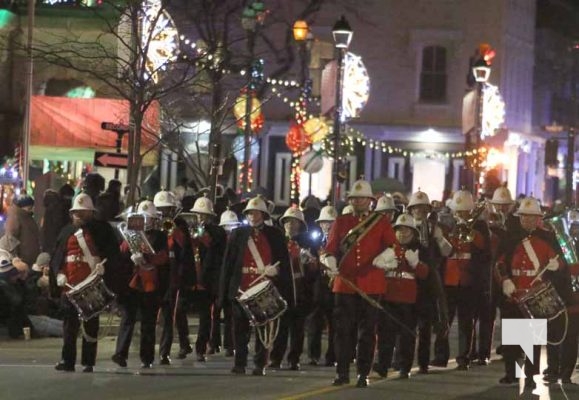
(519, 261)
(354, 243)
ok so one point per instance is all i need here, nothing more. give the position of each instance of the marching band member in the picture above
(253, 252)
(292, 326)
(180, 271)
(431, 305)
(81, 250)
(520, 259)
(466, 271)
(228, 221)
(144, 290)
(209, 243)
(323, 300)
(385, 205)
(356, 240)
(403, 266)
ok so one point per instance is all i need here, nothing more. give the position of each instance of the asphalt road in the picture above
(26, 372)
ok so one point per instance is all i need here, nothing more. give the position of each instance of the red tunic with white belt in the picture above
(76, 268)
(356, 265)
(401, 283)
(457, 271)
(249, 270)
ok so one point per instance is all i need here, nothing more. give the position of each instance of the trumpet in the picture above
(168, 225)
(465, 230)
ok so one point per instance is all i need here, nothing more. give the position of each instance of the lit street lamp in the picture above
(342, 33)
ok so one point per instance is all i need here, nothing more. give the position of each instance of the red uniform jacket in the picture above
(401, 282)
(249, 270)
(458, 268)
(76, 268)
(356, 265)
(146, 278)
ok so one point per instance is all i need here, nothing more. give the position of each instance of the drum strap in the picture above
(90, 259)
(255, 254)
(531, 253)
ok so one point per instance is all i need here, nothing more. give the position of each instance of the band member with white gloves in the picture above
(385, 205)
(323, 298)
(144, 289)
(403, 264)
(253, 252)
(292, 324)
(354, 242)
(176, 279)
(520, 260)
(84, 247)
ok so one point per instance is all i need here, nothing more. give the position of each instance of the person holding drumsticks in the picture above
(523, 259)
(254, 252)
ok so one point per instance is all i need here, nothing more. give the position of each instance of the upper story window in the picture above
(433, 75)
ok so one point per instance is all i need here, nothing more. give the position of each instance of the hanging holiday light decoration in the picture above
(256, 115)
(238, 148)
(312, 161)
(493, 110)
(316, 129)
(296, 139)
(356, 89)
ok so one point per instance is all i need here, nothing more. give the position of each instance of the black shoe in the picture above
(439, 363)
(341, 380)
(183, 352)
(462, 367)
(238, 370)
(258, 372)
(88, 369)
(423, 370)
(383, 372)
(294, 367)
(61, 366)
(362, 381)
(201, 358)
(483, 362)
(145, 365)
(395, 366)
(120, 361)
(274, 365)
(404, 375)
(313, 362)
(229, 353)
(551, 378)
(507, 380)
(165, 360)
(499, 350)
(214, 350)
(530, 383)
(329, 363)
(568, 382)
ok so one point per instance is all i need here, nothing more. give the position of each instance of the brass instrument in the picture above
(192, 221)
(168, 225)
(136, 239)
(465, 230)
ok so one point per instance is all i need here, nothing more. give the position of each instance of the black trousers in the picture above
(561, 359)
(173, 311)
(461, 301)
(129, 305)
(512, 353)
(353, 313)
(70, 329)
(321, 316)
(209, 322)
(292, 328)
(242, 335)
(228, 341)
(485, 312)
(425, 319)
(389, 330)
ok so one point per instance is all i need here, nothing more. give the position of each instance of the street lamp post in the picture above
(481, 71)
(342, 33)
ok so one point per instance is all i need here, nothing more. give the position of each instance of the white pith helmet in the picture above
(203, 206)
(348, 210)
(529, 206)
(405, 220)
(148, 209)
(293, 212)
(257, 204)
(228, 218)
(418, 198)
(385, 203)
(164, 198)
(462, 200)
(82, 202)
(361, 188)
(327, 213)
(502, 195)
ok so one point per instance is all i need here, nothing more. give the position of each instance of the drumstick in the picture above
(542, 272)
(261, 276)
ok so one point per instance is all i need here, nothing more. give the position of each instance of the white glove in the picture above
(553, 264)
(331, 265)
(99, 268)
(61, 280)
(271, 271)
(412, 257)
(42, 282)
(138, 258)
(305, 256)
(386, 260)
(508, 287)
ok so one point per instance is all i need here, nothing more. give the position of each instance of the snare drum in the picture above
(541, 302)
(91, 297)
(262, 303)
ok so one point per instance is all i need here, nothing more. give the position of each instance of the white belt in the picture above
(399, 275)
(171, 254)
(75, 258)
(249, 270)
(460, 256)
(524, 272)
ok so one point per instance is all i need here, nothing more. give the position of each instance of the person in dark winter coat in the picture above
(55, 218)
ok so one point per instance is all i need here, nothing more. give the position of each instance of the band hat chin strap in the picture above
(90, 259)
(255, 254)
(531, 253)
